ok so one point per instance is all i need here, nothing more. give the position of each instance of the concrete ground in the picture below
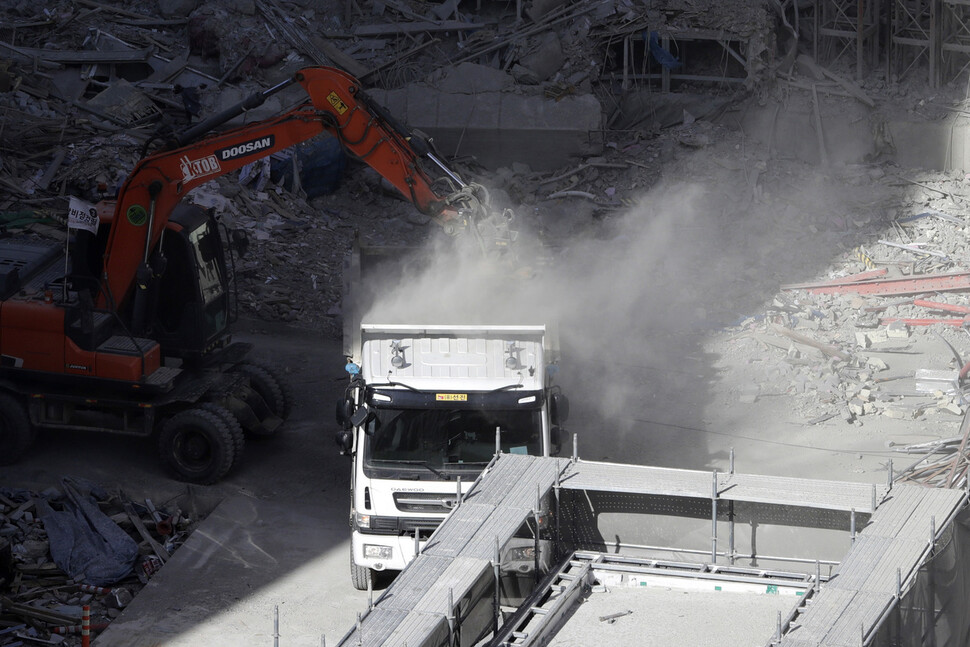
(249, 560)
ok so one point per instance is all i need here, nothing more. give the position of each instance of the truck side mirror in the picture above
(345, 440)
(345, 410)
(558, 408)
(360, 416)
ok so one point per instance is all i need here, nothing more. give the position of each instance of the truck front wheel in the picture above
(197, 446)
(361, 576)
(15, 433)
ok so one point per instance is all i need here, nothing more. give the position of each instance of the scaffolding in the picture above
(926, 36)
(686, 55)
(844, 28)
(915, 39)
(955, 38)
(533, 534)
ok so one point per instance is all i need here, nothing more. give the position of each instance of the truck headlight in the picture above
(521, 554)
(378, 552)
(363, 520)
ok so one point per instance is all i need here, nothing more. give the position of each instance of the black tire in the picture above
(16, 435)
(361, 576)
(235, 429)
(271, 386)
(197, 446)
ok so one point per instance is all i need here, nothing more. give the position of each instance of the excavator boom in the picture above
(337, 105)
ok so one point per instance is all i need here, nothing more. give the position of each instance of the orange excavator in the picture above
(132, 334)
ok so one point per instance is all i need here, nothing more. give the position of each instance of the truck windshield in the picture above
(449, 439)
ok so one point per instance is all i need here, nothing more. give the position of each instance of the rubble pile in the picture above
(73, 549)
(87, 89)
(881, 333)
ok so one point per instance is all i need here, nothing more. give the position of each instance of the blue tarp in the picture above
(661, 55)
(84, 542)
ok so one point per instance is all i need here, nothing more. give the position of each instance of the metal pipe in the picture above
(714, 518)
(852, 526)
(276, 626)
(575, 447)
(496, 604)
(447, 170)
(536, 515)
(252, 101)
(458, 496)
(704, 551)
(557, 490)
(451, 616)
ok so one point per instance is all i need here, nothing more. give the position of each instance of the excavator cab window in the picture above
(193, 305)
(205, 240)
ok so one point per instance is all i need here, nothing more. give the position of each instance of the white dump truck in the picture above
(426, 409)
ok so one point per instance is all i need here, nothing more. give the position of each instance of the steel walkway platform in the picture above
(448, 589)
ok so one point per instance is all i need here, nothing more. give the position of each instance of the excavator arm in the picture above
(337, 105)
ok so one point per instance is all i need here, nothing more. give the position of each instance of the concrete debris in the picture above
(39, 602)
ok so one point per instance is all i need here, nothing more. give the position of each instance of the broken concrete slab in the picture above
(176, 8)
(499, 128)
(125, 102)
(644, 109)
(540, 64)
(471, 78)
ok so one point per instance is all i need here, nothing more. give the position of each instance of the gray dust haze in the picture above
(636, 295)
(615, 299)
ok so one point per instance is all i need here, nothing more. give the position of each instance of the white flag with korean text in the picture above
(82, 215)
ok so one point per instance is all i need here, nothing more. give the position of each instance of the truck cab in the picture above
(426, 410)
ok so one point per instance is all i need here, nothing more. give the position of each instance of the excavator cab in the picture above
(187, 295)
(189, 311)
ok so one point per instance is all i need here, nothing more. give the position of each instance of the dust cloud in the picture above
(637, 296)
(615, 298)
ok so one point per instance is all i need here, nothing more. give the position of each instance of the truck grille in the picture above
(402, 526)
(424, 502)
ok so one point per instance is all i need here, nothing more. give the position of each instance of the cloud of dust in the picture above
(611, 298)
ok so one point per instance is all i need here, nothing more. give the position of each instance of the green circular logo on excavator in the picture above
(137, 215)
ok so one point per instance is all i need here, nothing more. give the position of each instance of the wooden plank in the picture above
(82, 56)
(416, 27)
(143, 531)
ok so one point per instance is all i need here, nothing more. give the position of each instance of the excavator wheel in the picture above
(361, 576)
(270, 385)
(235, 429)
(197, 445)
(16, 435)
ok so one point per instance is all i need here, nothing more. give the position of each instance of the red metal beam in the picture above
(953, 282)
(936, 305)
(853, 278)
